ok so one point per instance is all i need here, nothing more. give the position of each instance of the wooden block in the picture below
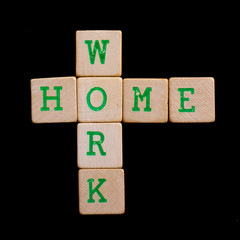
(98, 53)
(99, 145)
(191, 100)
(145, 100)
(100, 99)
(54, 100)
(101, 191)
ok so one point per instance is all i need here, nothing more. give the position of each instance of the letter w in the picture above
(101, 52)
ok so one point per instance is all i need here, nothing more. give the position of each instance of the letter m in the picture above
(138, 95)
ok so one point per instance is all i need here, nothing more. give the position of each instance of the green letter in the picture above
(101, 53)
(104, 99)
(146, 95)
(46, 98)
(183, 99)
(96, 189)
(98, 143)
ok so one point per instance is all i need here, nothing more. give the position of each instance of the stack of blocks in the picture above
(100, 100)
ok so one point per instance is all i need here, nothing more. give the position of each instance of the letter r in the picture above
(98, 143)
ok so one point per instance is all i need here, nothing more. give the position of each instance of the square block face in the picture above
(191, 100)
(99, 145)
(54, 100)
(101, 191)
(100, 99)
(145, 100)
(98, 53)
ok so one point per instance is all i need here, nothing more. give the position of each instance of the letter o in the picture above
(103, 102)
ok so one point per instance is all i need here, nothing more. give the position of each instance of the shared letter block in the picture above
(100, 99)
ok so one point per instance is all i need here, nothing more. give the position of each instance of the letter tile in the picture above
(145, 100)
(100, 99)
(99, 145)
(54, 100)
(101, 191)
(98, 53)
(191, 100)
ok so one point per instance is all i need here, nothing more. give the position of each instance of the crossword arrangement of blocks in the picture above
(99, 99)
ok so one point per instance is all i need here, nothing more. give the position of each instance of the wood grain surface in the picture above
(111, 65)
(67, 100)
(197, 94)
(111, 199)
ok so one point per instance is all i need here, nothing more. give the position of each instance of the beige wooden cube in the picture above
(101, 191)
(54, 100)
(99, 145)
(191, 100)
(100, 99)
(98, 53)
(145, 100)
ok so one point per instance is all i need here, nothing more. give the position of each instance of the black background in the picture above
(176, 175)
